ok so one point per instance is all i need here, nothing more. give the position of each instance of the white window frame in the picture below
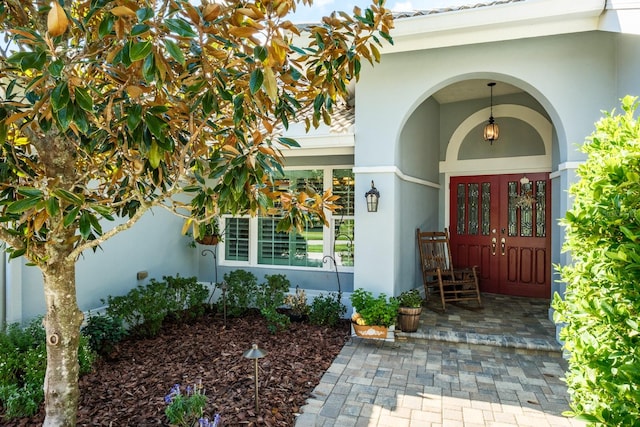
(327, 232)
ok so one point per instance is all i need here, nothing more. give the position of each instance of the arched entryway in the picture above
(498, 202)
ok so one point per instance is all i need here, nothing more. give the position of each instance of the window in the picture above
(236, 233)
(255, 241)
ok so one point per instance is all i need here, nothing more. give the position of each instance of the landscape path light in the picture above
(255, 353)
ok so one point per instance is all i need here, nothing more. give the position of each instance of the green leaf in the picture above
(95, 224)
(30, 192)
(175, 51)
(317, 103)
(260, 52)
(149, 68)
(55, 68)
(156, 125)
(134, 116)
(80, 119)
(106, 26)
(255, 83)
(71, 216)
(144, 13)
(83, 99)
(140, 50)
(154, 155)
(209, 103)
(139, 29)
(23, 205)
(60, 96)
(386, 36)
(28, 60)
(74, 199)
(17, 253)
(180, 27)
(105, 211)
(65, 116)
(288, 142)
(52, 207)
(85, 225)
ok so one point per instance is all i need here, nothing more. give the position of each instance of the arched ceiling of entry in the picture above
(472, 89)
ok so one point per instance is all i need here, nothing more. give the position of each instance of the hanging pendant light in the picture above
(491, 130)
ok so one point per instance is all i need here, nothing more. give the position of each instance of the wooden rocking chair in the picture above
(454, 284)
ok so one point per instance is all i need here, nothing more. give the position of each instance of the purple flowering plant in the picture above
(187, 409)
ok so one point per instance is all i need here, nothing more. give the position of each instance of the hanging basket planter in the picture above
(208, 240)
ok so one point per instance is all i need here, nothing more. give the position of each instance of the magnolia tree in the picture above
(109, 108)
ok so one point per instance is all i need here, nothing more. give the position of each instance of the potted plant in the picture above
(208, 233)
(299, 309)
(373, 315)
(410, 307)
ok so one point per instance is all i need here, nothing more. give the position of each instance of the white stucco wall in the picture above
(154, 244)
(570, 77)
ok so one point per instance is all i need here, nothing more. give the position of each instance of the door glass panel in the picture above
(473, 209)
(541, 208)
(512, 209)
(526, 210)
(486, 208)
(461, 209)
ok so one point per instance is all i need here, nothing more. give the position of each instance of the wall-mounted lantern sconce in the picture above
(372, 197)
(255, 353)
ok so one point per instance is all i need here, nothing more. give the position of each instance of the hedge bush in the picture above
(23, 365)
(602, 302)
(144, 308)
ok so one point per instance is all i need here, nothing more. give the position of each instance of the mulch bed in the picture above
(129, 389)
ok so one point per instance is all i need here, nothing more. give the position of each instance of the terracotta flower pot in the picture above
(409, 318)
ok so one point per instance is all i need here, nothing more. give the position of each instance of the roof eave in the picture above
(508, 21)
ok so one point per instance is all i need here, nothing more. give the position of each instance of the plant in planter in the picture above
(373, 314)
(208, 233)
(410, 307)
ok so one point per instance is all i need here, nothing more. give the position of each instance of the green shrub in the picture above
(242, 287)
(23, 367)
(327, 309)
(602, 301)
(411, 298)
(186, 297)
(270, 297)
(103, 333)
(143, 309)
(19, 402)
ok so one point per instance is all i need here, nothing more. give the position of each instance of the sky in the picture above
(321, 8)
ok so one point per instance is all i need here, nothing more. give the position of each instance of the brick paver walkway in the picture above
(430, 383)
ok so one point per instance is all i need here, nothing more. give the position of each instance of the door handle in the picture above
(493, 246)
(503, 244)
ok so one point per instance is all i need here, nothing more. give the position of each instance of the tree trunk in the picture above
(62, 323)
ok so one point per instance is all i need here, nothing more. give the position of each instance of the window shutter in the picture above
(236, 239)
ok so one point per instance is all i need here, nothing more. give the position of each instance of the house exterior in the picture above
(416, 132)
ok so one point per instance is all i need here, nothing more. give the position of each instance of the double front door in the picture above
(501, 223)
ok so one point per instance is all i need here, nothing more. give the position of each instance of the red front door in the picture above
(501, 223)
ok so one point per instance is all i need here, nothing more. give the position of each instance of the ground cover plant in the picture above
(110, 109)
(602, 301)
(23, 365)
